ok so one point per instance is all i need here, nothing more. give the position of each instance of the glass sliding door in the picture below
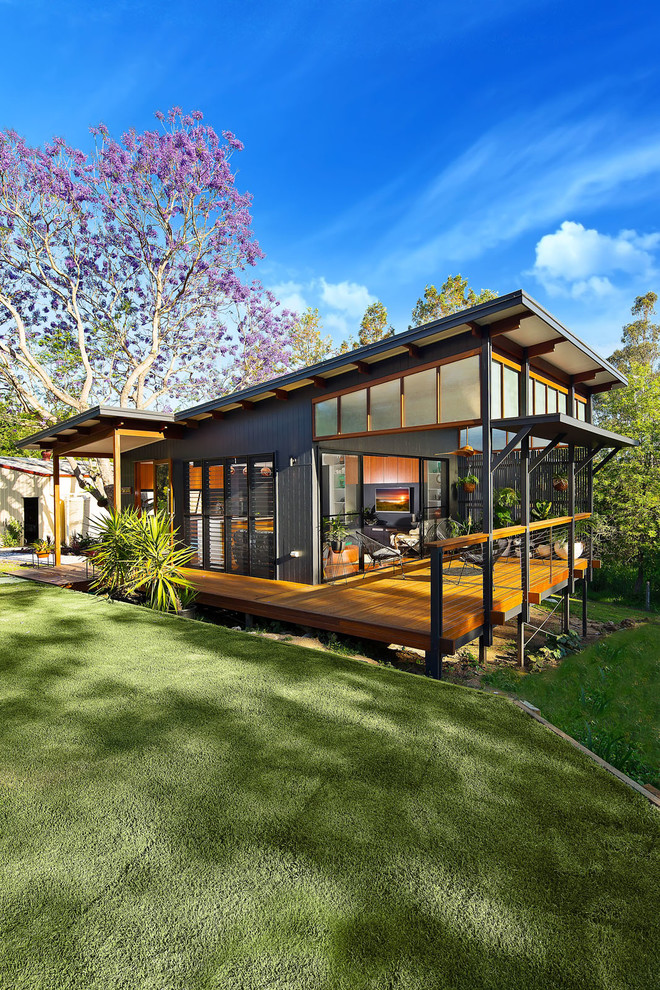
(193, 518)
(214, 515)
(341, 505)
(435, 501)
(261, 518)
(237, 516)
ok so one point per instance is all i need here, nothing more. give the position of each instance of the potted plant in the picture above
(337, 533)
(541, 510)
(468, 483)
(42, 549)
(369, 517)
(560, 482)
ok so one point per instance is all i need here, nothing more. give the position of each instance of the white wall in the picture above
(80, 510)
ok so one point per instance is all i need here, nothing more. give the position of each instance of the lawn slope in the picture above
(185, 807)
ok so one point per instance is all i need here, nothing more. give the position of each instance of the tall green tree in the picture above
(627, 490)
(374, 326)
(454, 294)
(641, 338)
(307, 342)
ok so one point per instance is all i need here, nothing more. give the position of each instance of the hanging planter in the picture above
(468, 483)
(266, 472)
(560, 482)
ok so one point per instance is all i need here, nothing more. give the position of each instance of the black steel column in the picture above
(525, 520)
(566, 610)
(571, 513)
(584, 607)
(487, 484)
(433, 659)
(523, 395)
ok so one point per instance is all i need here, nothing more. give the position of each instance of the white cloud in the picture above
(349, 297)
(575, 252)
(578, 261)
(290, 295)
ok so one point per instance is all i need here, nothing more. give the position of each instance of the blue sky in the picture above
(389, 144)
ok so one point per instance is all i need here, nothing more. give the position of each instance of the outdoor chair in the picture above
(378, 553)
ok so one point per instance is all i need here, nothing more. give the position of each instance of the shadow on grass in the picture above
(192, 807)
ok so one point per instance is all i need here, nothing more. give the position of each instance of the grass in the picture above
(187, 807)
(607, 697)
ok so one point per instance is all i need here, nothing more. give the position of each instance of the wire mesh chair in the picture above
(378, 552)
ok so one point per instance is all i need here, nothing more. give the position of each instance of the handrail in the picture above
(475, 538)
(459, 541)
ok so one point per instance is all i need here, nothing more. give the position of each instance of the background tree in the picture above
(373, 326)
(641, 338)
(308, 345)
(627, 490)
(454, 295)
(14, 424)
(121, 272)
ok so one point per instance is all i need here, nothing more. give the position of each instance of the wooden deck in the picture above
(68, 575)
(386, 607)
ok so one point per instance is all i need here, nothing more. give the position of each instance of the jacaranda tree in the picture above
(122, 271)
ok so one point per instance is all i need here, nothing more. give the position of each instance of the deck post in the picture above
(520, 640)
(487, 484)
(566, 610)
(433, 658)
(483, 652)
(57, 510)
(524, 543)
(571, 513)
(585, 584)
(116, 470)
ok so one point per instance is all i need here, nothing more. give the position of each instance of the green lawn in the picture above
(607, 697)
(186, 807)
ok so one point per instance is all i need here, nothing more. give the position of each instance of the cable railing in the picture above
(521, 560)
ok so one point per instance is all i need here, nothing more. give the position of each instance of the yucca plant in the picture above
(158, 563)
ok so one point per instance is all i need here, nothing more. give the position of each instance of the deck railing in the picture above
(541, 555)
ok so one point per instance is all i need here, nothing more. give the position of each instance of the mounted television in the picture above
(394, 500)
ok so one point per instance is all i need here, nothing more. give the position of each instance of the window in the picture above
(325, 421)
(496, 390)
(385, 405)
(192, 511)
(420, 393)
(353, 412)
(460, 391)
(410, 401)
(510, 392)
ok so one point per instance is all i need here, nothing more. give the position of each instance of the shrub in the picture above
(13, 534)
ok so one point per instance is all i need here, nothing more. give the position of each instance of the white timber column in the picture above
(116, 468)
(57, 510)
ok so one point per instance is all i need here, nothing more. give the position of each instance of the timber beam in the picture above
(363, 368)
(584, 376)
(318, 382)
(217, 414)
(281, 394)
(544, 347)
(413, 350)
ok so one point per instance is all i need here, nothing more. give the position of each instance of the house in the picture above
(377, 439)
(27, 498)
